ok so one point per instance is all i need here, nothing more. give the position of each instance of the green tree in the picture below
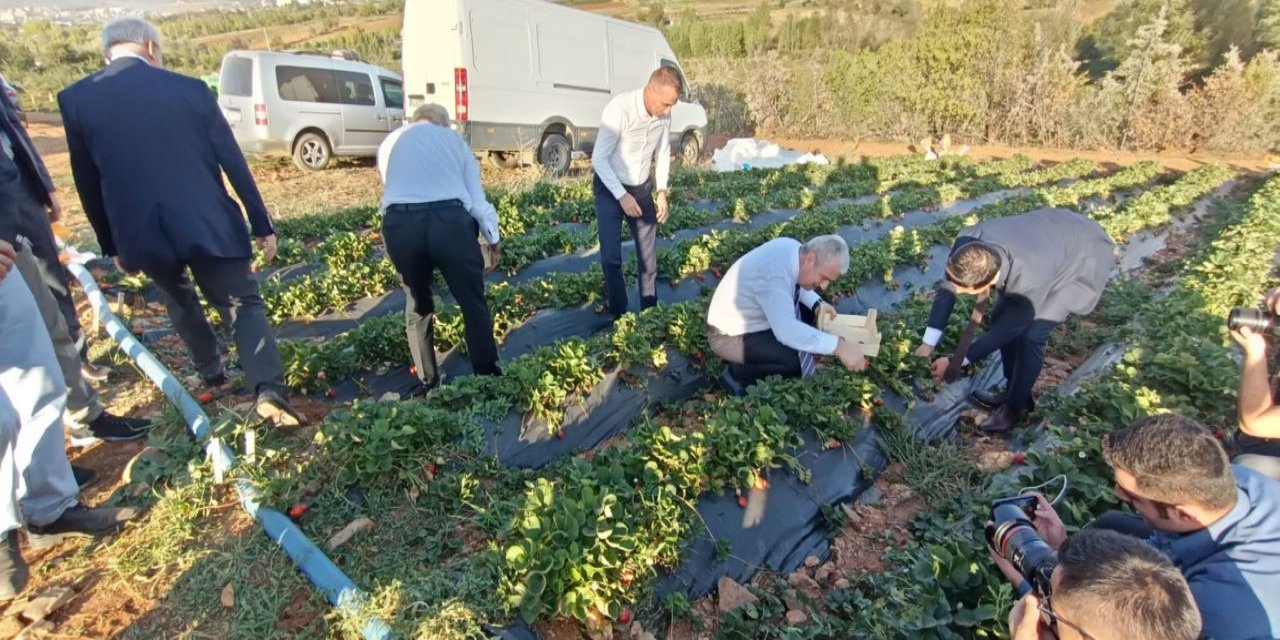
(1110, 41)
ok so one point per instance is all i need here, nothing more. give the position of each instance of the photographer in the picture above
(1108, 586)
(1258, 441)
(1219, 524)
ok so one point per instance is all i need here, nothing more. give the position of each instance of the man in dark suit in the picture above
(148, 150)
(1046, 265)
(27, 205)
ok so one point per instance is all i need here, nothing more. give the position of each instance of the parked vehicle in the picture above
(529, 78)
(309, 105)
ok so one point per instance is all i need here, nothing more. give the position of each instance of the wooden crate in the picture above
(860, 330)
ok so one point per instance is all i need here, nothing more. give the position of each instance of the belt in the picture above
(426, 206)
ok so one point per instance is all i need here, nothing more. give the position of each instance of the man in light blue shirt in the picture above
(435, 211)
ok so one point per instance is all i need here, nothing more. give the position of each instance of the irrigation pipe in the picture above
(338, 589)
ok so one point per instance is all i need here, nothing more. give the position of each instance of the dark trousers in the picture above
(28, 217)
(227, 283)
(757, 355)
(424, 237)
(1022, 340)
(644, 230)
(1259, 454)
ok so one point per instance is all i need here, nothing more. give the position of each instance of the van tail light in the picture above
(460, 96)
(260, 115)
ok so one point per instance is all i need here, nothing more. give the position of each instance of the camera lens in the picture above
(1256, 319)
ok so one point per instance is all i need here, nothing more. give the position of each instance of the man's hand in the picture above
(663, 207)
(826, 311)
(850, 355)
(495, 255)
(1024, 620)
(54, 208)
(267, 244)
(629, 206)
(1253, 343)
(7, 257)
(939, 368)
(924, 350)
(1048, 524)
(1007, 570)
(120, 266)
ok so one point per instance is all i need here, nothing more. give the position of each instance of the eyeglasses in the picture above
(1054, 620)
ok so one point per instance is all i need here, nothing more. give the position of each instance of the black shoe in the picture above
(1002, 421)
(80, 522)
(421, 389)
(84, 475)
(731, 383)
(216, 381)
(13, 569)
(988, 400)
(273, 408)
(93, 372)
(114, 428)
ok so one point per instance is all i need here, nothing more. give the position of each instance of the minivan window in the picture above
(355, 88)
(684, 82)
(392, 93)
(237, 77)
(306, 84)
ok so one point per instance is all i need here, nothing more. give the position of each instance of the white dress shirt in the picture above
(424, 162)
(630, 143)
(759, 292)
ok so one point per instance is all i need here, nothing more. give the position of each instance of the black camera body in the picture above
(1013, 536)
(1260, 320)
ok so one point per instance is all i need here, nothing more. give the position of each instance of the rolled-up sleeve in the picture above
(775, 297)
(480, 208)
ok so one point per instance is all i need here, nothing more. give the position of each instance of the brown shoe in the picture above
(1001, 421)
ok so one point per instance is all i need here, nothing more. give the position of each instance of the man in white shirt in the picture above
(762, 314)
(634, 141)
(435, 208)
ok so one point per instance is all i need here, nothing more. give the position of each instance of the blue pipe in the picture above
(338, 589)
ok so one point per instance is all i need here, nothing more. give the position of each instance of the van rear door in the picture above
(235, 96)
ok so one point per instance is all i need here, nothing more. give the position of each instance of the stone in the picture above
(646, 636)
(851, 514)
(811, 562)
(733, 595)
(792, 599)
(228, 597)
(598, 626)
(805, 585)
(390, 396)
(36, 631)
(871, 497)
(795, 617)
(995, 461)
(824, 572)
(843, 584)
(348, 532)
(39, 607)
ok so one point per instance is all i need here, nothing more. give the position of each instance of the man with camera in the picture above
(1219, 524)
(1107, 586)
(1257, 444)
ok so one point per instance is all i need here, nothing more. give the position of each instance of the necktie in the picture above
(966, 338)
(807, 363)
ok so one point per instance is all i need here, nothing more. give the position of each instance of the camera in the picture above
(1260, 320)
(1013, 536)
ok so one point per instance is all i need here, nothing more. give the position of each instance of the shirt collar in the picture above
(640, 110)
(127, 54)
(1189, 549)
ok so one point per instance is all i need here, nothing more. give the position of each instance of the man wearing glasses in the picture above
(1109, 586)
(1218, 523)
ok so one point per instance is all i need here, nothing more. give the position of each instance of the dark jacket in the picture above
(1057, 259)
(148, 149)
(25, 172)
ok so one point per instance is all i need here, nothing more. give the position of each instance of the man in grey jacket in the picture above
(1046, 265)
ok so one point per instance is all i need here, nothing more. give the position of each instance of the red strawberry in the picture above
(331, 394)
(832, 443)
(560, 435)
(298, 510)
(627, 577)
(1019, 458)
(205, 398)
(431, 470)
(413, 370)
(625, 616)
(698, 354)
(1220, 435)
(742, 501)
(719, 273)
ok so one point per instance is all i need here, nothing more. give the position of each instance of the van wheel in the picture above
(555, 154)
(690, 150)
(504, 159)
(311, 152)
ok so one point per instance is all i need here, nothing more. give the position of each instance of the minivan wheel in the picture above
(555, 154)
(311, 152)
(690, 150)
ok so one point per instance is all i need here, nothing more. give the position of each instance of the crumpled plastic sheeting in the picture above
(748, 153)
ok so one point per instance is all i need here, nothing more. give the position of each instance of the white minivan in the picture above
(308, 105)
(530, 78)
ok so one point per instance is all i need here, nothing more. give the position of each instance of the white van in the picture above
(310, 106)
(526, 78)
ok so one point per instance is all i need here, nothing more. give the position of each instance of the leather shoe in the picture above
(13, 569)
(731, 383)
(1001, 421)
(988, 400)
(80, 522)
(273, 408)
